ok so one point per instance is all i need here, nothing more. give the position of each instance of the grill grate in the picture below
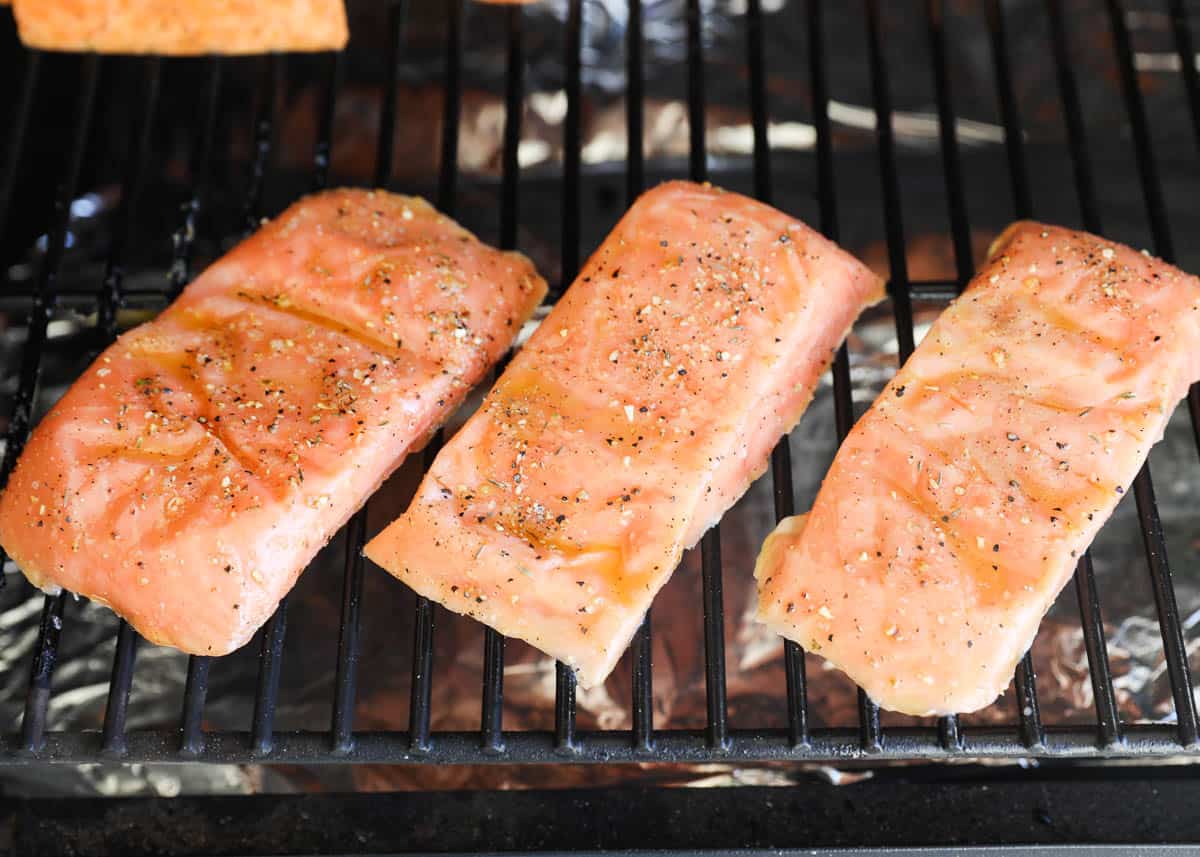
(1108, 737)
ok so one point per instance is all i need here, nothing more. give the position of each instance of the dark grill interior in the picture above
(41, 297)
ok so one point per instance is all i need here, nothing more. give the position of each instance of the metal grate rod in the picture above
(697, 151)
(195, 690)
(424, 612)
(1029, 714)
(843, 406)
(196, 687)
(1187, 61)
(323, 151)
(37, 702)
(345, 681)
(262, 738)
(112, 740)
(270, 658)
(1018, 172)
(1107, 716)
(642, 648)
(491, 719)
(564, 691)
(710, 543)
(1174, 646)
(1191, 80)
(345, 684)
(781, 456)
(270, 84)
(111, 299)
(451, 108)
(897, 264)
(19, 131)
(184, 236)
(960, 228)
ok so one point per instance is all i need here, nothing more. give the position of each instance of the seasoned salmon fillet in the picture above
(958, 507)
(640, 410)
(197, 466)
(182, 27)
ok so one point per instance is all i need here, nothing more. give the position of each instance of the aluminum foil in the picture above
(754, 657)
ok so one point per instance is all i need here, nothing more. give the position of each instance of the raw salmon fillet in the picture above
(196, 467)
(182, 27)
(640, 410)
(959, 505)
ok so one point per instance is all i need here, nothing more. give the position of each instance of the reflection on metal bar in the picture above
(18, 134)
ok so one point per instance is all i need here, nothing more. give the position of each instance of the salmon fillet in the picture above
(182, 27)
(640, 410)
(958, 507)
(196, 467)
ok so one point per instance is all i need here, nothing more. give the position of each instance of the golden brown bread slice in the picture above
(182, 26)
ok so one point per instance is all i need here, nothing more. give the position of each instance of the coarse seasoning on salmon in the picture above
(196, 467)
(959, 505)
(640, 410)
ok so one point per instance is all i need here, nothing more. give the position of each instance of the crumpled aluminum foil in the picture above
(754, 657)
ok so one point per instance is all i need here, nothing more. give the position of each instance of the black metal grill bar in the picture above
(960, 228)
(1018, 172)
(111, 299)
(492, 723)
(323, 151)
(843, 405)
(425, 611)
(868, 711)
(33, 724)
(266, 698)
(19, 131)
(196, 685)
(564, 680)
(270, 83)
(1187, 61)
(1174, 646)
(781, 457)
(37, 701)
(641, 649)
(195, 690)
(691, 746)
(119, 684)
(1103, 692)
(1108, 719)
(710, 542)
(262, 724)
(345, 684)
(1191, 80)
(185, 235)
(345, 680)
(956, 198)
(697, 147)
(796, 743)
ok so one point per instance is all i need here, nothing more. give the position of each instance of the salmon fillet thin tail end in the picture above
(197, 466)
(640, 410)
(960, 504)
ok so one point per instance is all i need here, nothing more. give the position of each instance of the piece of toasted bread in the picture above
(182, 27)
